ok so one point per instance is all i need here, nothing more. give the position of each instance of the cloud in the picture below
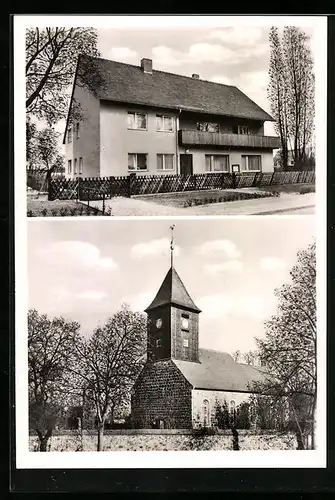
(206, 52)
(196, 54)
(153, 247)
(139, 301)
(254, 79)
(238, 36)
(215, 306)
(121, 53)
(218, 305)
(221, 79)
(225, 248)
(230, 265)
(271, 264)
(91, 295)
(77, 254)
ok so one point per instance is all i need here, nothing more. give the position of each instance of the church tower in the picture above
(173, 320)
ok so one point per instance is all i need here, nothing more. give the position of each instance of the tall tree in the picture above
(277, 92)
(291, 91)
(110, 361)
(51, 59)
(301, 89)
(47, 147)
(288, 350)
(51, 353)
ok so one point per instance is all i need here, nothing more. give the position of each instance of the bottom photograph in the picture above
(172, 335)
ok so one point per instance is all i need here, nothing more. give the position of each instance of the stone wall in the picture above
(161, 393)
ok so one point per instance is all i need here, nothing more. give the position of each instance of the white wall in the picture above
(199, 395)
(235, 157)
(117, 141)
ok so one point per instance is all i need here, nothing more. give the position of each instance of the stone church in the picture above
(180, 383)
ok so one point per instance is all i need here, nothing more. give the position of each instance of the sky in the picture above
(235, 56)
(86, 269)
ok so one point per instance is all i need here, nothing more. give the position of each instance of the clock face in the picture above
(159, 323)
(184, 323)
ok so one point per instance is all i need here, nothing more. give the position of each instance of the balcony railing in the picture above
(196, 138)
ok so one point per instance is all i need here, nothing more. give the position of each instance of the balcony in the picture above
(215, 139)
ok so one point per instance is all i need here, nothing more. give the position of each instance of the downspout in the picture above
(177, 144)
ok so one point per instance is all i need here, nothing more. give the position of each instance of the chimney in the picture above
(195, 76)
(146, 65)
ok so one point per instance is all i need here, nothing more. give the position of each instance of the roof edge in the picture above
(175, 304)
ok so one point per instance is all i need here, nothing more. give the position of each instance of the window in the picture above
(137, 121)
(158, 343)
(69, 167)
(77, 130)
(243, 129)
(217, 163)
(69, 135)
(205, 412)
(185, 343)
(251, 162)
(75, 166)
(165, 162)
(208, 127)
(137, 161)
(80, 165)
(232, 410)
(164, 123)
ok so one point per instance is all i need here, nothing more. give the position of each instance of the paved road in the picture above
(292, 211)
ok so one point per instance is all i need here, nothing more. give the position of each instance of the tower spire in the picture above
(172, 244)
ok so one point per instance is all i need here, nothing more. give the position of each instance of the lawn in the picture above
(289, 188)
(60, 208)
(192, 198)
(278, 441)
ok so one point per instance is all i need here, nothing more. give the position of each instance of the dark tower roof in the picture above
(173, 291)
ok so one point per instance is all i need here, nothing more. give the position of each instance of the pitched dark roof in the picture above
(173, 291)
(129, 84)
(218, 371)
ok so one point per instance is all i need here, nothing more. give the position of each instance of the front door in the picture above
(186, 164)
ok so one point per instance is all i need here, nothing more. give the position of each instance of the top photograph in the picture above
(197, 121)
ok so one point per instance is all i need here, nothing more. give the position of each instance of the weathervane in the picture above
(172, 244)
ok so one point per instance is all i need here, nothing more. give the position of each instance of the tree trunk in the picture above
(43, 440)
(100, 435)
(44, 443)
(300, 440)
(236, 445)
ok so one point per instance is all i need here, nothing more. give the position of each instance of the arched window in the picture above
(232, 410)
(205, 411)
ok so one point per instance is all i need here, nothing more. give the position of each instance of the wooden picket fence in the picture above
(98, 188)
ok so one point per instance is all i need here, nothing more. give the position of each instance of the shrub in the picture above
(54, 212)
(307, 189)
(30, 213)
(44, 212)
(63, 211)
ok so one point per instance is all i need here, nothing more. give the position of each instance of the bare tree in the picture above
(291, 92)
(50, 355)
(110, 361)
(289, 348)
(51, 60)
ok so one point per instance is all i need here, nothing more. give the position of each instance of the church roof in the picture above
(218, 371)
(173, 291)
